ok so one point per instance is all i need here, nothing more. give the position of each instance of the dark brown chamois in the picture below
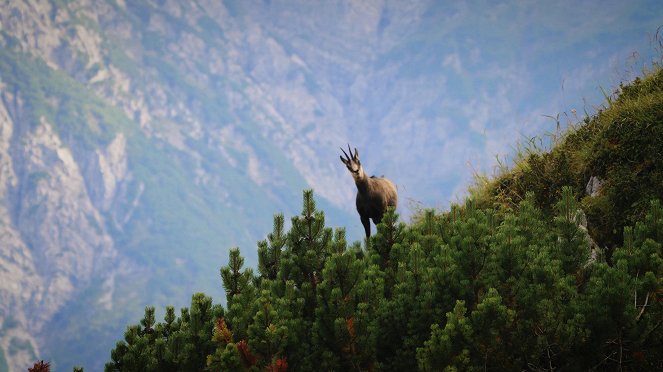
(374, 194)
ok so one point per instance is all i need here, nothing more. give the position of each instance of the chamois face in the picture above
(353, 164)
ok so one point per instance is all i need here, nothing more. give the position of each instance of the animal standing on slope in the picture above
(374, 194)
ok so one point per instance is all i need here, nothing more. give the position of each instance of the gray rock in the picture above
(594, 186)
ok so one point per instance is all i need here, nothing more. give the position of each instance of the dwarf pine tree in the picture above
(177, 344)
(225, 356)
(405, 318)
(308, 245)
(269, 251)
(343, 325)
(543, 293)
(267, 333)
(572, 248)
(475, 343)
(271, 316)
(240, 294)
(308, 242)
(624, 303)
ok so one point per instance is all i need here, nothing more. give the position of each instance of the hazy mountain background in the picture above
(140, 140)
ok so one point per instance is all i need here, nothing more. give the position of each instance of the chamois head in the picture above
(352, 163)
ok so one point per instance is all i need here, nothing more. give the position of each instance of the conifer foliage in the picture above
(472, 289)
(179, 343)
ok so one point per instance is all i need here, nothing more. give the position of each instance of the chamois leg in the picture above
(367, 225)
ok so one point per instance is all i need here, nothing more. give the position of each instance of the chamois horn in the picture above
(347, 158)
(351, 156)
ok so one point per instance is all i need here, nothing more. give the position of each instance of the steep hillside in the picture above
(515, 278)
(611, 160)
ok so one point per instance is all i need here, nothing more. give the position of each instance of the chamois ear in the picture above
(343, 160)
(356, 154)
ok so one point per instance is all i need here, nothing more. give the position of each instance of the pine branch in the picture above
(642, 310)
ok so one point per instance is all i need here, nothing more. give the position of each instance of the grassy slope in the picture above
(622, 145)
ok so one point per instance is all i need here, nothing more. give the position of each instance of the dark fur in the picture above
(374, 194)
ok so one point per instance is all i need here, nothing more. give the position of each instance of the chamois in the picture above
(374, 194)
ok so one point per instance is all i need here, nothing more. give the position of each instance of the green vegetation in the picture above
(532, 272)
(470, 289)
(179, 344)
(618, 146)
(77, 116)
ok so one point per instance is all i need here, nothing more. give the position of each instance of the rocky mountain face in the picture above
(139, 140)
